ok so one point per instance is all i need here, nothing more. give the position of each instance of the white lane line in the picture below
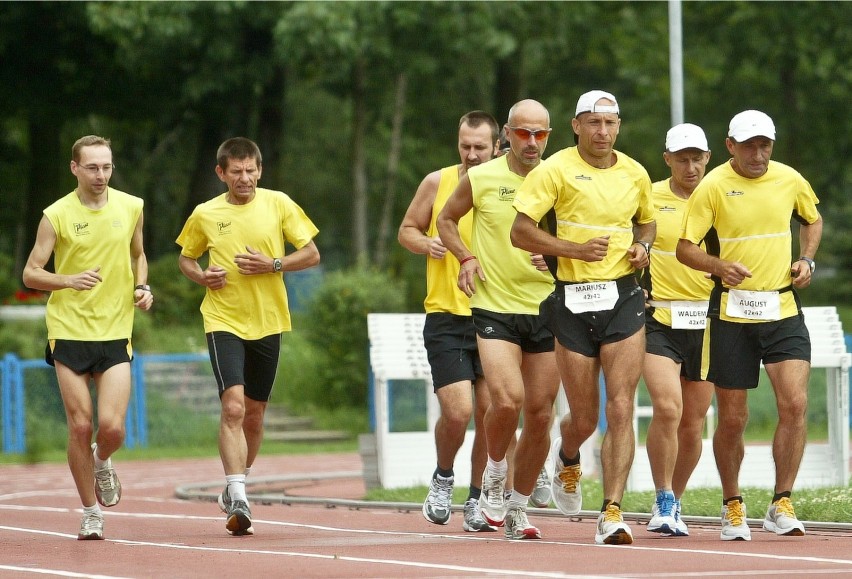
(372, 561)
(435, 536)
(57, 572)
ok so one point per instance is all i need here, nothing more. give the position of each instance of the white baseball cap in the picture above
(748, 124)
(686, 136)
(587, 103)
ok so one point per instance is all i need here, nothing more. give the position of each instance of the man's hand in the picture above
(801, 274)
(435, 248)
(637, 256)
(733, 273)
(538, 262)
(85, 280)
(143, 299)
(594, 249)
(214, 277)
(468, 273)
(253, 262)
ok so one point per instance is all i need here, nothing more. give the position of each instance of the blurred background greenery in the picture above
(353, 103)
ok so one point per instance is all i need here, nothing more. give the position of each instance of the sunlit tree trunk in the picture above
(394, 153)
(360, 235)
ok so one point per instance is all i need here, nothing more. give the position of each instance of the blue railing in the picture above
(12, 404)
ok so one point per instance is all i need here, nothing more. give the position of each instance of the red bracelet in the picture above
(466, 259)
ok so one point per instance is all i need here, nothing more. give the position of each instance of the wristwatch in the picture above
(811, 263)
(276, 265)
(646, 245)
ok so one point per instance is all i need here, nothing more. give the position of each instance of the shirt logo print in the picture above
(224, 227)
(734, 193)
(506, 193)
(82, 228)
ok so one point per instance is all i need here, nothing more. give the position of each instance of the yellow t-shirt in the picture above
(442, 275)
(512, 285)
(748, 221)
(670, 279)
(250, 306)
(87, 238)
(589, 203)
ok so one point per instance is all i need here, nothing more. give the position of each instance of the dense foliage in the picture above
(354, 102)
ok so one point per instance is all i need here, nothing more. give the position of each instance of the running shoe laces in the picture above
(784, 506)
(735, 513)
(570, 476)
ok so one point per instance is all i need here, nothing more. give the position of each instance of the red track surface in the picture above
(153, 534)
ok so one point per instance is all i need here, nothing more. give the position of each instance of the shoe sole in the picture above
(249, 531)
(526, 534)
(238, 524)
(662, 530)
(619, 537)
(491, 520)
(541, 504)
(794, 532)
(90, 537)
(484, 529)
(434, 520)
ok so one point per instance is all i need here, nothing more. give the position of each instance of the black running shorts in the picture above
(526, 330)
(736, 349)
(681, 345)
(252, 363)
(450, 342)
(585, 332)
(88, 357)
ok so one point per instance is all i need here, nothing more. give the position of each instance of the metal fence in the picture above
(166, 372)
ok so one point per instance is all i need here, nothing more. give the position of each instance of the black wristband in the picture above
(144, 288)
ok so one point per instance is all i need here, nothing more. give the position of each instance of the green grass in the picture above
(824, 505)
(57, 455)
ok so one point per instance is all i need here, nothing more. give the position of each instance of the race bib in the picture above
(689, 315)
(595, 296)
(750, 305)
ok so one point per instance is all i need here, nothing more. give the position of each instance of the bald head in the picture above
(528, 108)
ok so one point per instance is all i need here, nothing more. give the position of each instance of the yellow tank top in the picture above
(87, 238)
(512, 285)
(442, 275)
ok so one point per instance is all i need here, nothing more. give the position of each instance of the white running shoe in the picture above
(781, 519)
(734, 526)
(107, 485)
(663, 514)
(473, 521)
(565, 488)
(492, 503)
(540, 496)
(518, 526)
(91, 528)
(681, 529)
(612, 530)
(437, 508)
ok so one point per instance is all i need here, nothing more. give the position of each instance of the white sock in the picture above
(499, 468)
(518, 498)
(237, 487)
(99, 463)
(94, 510)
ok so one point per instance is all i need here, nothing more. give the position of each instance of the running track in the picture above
(153, 533)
